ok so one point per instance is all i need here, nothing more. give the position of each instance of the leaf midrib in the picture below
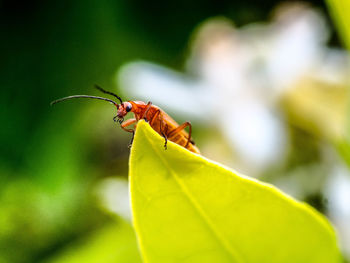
(234, 254)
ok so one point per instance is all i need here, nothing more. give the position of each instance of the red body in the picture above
(159, 121)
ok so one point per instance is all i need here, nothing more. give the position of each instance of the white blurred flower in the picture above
(113, 194)
(238, 77)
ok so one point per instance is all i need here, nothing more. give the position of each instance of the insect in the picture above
(161, 122)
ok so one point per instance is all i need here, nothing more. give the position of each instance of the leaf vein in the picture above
(206, 219)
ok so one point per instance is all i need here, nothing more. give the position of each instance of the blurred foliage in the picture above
(53, 158)
(112, 243)
(340, 10)
(318, 108)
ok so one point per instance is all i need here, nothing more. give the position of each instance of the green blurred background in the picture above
(61, 166)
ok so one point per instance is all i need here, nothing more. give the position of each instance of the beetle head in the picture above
(123, 109)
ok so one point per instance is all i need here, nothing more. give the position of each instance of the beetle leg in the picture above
(163, 130)
(128, 123)
(149, 104)
(132, 139)
(180, 128)
(156, 114)
(163, 127)
(166, 141)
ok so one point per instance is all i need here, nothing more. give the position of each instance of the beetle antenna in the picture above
(83, 96)
(108, 92)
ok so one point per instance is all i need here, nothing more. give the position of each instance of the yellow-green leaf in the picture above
(189, 209)
(340, 11)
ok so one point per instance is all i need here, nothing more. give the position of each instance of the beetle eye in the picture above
(128, 108)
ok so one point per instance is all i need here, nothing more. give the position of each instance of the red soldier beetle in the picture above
(161, 122)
